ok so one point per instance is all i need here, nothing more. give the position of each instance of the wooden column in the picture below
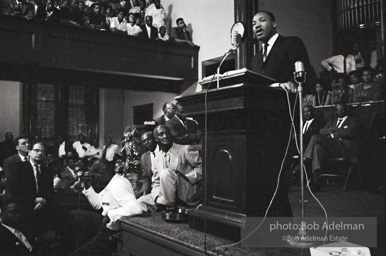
(244, 12)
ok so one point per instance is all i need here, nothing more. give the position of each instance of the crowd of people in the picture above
(147, 173)
(142, 18)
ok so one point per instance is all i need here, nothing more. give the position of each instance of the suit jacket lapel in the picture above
(174, 153)
(274, 48)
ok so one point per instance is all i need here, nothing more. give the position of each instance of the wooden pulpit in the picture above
(245, 126)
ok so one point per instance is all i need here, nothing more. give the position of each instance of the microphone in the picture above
(235, 39)
(300, 73)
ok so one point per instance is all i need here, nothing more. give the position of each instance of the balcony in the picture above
(52, 53)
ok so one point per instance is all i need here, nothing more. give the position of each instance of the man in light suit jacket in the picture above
(338, 138)
(150, 183)
(279, 54)
(179, 170)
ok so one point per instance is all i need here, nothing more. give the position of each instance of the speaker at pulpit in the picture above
(243, 146)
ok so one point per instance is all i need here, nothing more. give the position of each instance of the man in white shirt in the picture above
(110, 150)
(342, 63)
(158, 13)
(94, 150)
(118, 24)
(117, 199)
(81, 146)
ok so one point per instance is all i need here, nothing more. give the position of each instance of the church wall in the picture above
(10, 108)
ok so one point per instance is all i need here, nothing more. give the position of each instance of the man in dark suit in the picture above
(311, 125)
(279, 54)
(169, 111)
(148, 30)
(29, 183)
(338, 138)
(179, 131)
(13, 241)
(150, 185)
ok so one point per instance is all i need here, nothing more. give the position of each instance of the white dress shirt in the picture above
(117, 200)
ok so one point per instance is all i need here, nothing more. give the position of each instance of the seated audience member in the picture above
(62, 147)
(311, 125)
(183, 131)
(368, 90)
(81, 146)
(135, 8)
(338, 138)
(80, 12)
(180, 34)
(152, 149)
(339, 89)
(148, 30)
(355, 81)
(29, 13)
(94, 150)
(373, 54)
(118, 24)
(169, 111)
(159, 14)
(14, 240)
(110, 150)
(48, 12)
(68, 173)
(142, 6)
(108, 15)
(29, 182)
(356, 52)
(96, 20)
(116, 200)
(162, 35)
(131, 27)
(322, 96)
(7, 148)
(343, 63)
(179, 170)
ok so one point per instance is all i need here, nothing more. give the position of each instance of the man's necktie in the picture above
(265, 51)
(305, 127)
(166, 160)
(344, 65)
(339, 122)
(38, 176)
(23, 239)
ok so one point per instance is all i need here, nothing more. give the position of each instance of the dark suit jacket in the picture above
(153, 32)
(313, 129)
(347, 135)
(146, 172)
(280, 62)
(180, 134)
(10, 244)
(160, 120)
(21, 185)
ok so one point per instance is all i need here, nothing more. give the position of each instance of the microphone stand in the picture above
(302, 233)
(226, 55)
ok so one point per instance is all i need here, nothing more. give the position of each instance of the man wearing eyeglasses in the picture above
(29, 182)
